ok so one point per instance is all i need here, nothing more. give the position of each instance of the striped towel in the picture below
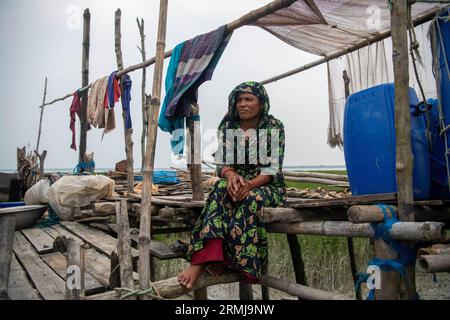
(192, 63)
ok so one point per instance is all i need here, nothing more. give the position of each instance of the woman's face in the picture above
(248, 106)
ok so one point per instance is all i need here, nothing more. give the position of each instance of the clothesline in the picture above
(244, 20)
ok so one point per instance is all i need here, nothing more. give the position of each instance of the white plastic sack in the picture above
(70, 193)
(37, 194)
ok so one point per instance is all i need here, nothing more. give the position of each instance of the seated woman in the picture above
(230, 231)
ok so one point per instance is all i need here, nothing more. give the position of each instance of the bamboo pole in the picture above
(317, 180)
(84, 82)
(434, 263)
(299, 290)
(128, 133)
(246, 19)
(371, 213)
(333, 55)
(145, 111)
(411, 231)
(42, 155)
(404, 161)
(329, 176)
(124, 246)
(7, 226)
(146, 204)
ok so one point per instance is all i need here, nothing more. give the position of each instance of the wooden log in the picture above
(84, 82)
(371, 213)
(124, 246)
(7, 227)
(299, 290)
(245, 291)
(155, 102)
(40, 121)
(171, 288)
(74, 272)
(412, 231)
(128, 133)
(327, 176)
(348, 201)
(434, 263)
(144, 108)
(303, 214)
(318, 180)
(435, 249)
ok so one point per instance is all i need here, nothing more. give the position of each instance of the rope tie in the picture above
(84, 166)
(407, 256)
(137, 293)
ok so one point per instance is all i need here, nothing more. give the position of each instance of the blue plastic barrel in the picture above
(162, 177)
(370, 143)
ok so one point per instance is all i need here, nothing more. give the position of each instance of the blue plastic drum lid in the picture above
(370, 143)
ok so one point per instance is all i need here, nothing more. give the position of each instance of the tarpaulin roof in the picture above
(323, 27)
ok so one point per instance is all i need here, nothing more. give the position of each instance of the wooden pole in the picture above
(84, 82)
(75, 271)
(7, 226)
(297, 259)
(410, 231)
(155, 102)
(434, 263)
(195, 171)
(124, 246)
(42, 155)
(114, 276)
(404, 161)
(145, 111)
(128, 133)
(371, 213)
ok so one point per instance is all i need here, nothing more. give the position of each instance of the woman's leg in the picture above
(207, 237)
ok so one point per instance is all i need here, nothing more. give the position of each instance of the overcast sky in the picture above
(43, 38)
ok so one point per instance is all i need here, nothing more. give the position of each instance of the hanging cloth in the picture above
(111, 97)
(126, 98)
(75, 108)
(192, 63)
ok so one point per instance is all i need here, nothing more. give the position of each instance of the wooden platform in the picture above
(38, 271)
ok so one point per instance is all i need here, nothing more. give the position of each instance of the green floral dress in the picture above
(240, 224)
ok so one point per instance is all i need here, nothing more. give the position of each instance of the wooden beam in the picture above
(84, 82)
(144, 108)
(372, 213)
(420, 231)
(329, 176)
(155, 102)
(299, 290)
(434, 263)
(42, 155)
(128, 133)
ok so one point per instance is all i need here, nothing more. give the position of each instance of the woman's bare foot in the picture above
(188, 277)
(215, 269)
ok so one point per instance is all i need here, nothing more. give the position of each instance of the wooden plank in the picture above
(99, 240)
(157, 248)
(7, 226)
(19, 287)
(58, 263)
(46, 281)
(40, 240)
(97, 265)
(353, 200)
(58, 231)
